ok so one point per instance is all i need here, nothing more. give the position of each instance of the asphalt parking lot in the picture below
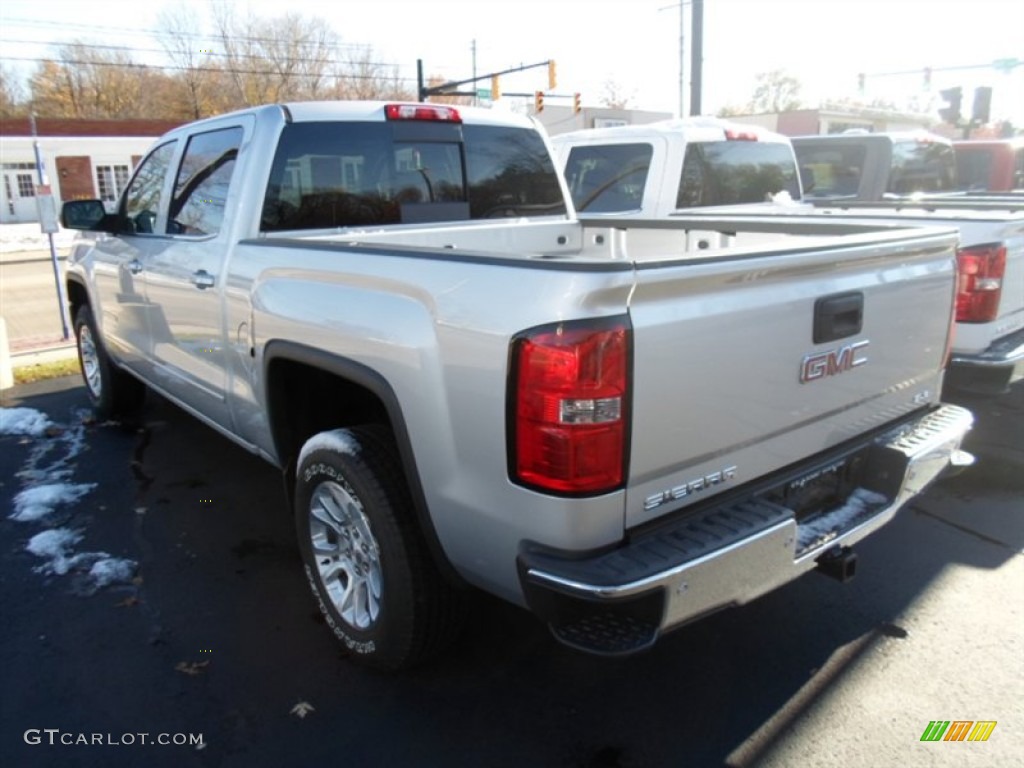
(209, 630)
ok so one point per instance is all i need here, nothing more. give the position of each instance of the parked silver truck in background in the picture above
(656, 163)
(621, 428)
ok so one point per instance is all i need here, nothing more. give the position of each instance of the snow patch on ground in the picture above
(36, 503)
(23, 421)
(45, 474)
(54, 545)
(112, 570)
(29, 237)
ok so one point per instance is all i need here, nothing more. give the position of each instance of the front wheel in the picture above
(111, 391)
(364, 556)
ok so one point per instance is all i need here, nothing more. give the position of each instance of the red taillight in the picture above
(732, 135)
(432, 112)
(568, 409)
(980, 271)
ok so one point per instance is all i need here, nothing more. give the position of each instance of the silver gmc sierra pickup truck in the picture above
(621, 428)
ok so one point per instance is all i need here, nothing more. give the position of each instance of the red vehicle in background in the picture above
(990, 165)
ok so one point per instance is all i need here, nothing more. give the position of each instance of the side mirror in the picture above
(82, 214)
(92, 216)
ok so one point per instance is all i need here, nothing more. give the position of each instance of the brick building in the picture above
(83, 159)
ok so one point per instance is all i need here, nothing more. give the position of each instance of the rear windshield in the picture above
(917, 166)
(922, 166)
(830, 171)
(333, 174)
(733, 172)
(973, 169)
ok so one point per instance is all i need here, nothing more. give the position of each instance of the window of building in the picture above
(110, 181)
(25, 186)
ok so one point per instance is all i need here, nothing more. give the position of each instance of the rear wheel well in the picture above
(304, 400)
(309, 391)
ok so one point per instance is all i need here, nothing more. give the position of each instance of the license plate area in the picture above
(823, 488)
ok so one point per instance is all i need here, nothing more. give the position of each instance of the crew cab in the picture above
(875, 166)
(465, 386)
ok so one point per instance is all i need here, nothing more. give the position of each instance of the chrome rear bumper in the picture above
(619, 601)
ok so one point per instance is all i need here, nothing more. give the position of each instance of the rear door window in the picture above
(734, 172)
(608, 178)
(201, 189)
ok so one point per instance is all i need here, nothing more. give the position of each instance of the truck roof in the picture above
(362, 111)
(880, 137)
(693, 128)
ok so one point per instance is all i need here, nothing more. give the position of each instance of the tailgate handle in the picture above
(838, 317)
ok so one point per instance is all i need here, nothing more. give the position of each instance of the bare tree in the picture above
(614, 97)
(191, 59)
(776, 91)
(279, 59)
(12, 95)
(360, 76)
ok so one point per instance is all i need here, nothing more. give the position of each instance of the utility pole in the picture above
(46, 207)
(682, 52)
(697, 57)
(476, 99)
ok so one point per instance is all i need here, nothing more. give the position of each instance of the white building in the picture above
(83, 159)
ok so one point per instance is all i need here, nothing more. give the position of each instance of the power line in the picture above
(212, 70)
(163, 51)
(217, 36)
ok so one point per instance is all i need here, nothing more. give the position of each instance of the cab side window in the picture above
(201, 187)
(142, 199)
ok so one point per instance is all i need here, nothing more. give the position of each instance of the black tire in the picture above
(364, 556)
(111, 391)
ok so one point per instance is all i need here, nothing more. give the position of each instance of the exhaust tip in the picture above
(839, 563)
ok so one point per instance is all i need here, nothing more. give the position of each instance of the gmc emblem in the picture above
(835, 361)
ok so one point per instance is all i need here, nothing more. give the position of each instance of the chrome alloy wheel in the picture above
(90, 361)
(347, 554)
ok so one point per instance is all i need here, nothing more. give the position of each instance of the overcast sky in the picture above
(634, 43)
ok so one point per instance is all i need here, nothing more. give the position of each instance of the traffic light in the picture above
(495, 88)
(538, 101)
(552, 75)
(576, 105)
(927, 78)
(982, 105)
(951, 112)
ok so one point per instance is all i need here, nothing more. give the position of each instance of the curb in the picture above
(39, 354)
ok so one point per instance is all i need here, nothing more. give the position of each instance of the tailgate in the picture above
(730, 383)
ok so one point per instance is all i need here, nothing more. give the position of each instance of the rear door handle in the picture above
(203, 279)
